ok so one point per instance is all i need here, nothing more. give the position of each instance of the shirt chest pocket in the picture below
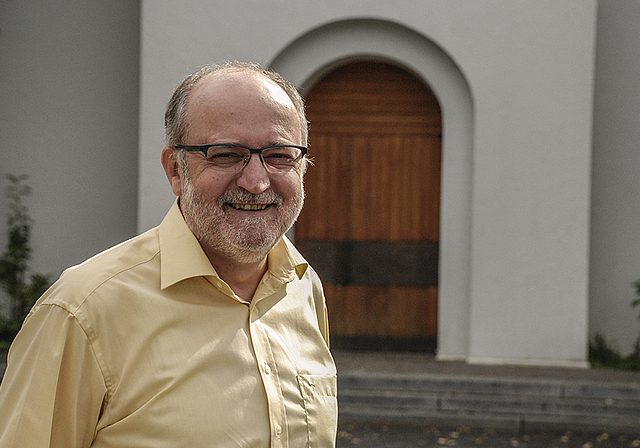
(319, 393)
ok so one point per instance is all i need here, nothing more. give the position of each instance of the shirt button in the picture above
(278, 430)
(267, 369)
(219, 284)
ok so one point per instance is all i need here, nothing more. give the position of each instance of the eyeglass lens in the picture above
(231, 158)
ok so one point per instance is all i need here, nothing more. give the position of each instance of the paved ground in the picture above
(398, 436)
(377, 435)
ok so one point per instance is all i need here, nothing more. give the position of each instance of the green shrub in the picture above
(22, 290)
(603, 355)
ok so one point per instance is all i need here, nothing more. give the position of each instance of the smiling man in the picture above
(207, 331)
(236, 203)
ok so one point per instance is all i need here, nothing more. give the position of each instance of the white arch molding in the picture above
(315, 53)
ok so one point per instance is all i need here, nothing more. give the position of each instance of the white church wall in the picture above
(69, 120)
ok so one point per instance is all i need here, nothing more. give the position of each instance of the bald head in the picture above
(176, 113)
(243, 99)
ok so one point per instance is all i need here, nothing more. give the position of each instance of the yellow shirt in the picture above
(145, 346)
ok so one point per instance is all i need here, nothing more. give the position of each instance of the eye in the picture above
(281, 155)
(225, 155)
(278, 155)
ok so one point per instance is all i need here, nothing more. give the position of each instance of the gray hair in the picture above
(175, 116)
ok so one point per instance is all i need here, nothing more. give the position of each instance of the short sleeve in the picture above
(53, 389)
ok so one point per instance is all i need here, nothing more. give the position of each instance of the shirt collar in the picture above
(182, 256)
(285, 261)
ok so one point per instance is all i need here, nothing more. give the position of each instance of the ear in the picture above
(170, 165)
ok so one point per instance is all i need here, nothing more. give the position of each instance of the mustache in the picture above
(239, 196)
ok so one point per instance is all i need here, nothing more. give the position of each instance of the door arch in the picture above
(370, 224)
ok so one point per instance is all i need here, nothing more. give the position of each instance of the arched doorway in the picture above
(370, 224)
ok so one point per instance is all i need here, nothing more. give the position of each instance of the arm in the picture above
(53, 390)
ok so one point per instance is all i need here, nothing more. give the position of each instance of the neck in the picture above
(242, 278)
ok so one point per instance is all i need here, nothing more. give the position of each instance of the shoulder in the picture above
(138, 256)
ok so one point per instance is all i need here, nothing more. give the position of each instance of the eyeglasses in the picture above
(232, 157)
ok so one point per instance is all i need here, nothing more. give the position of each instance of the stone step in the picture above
(493, 386)
(500, 402)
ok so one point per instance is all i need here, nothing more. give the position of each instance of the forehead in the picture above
(235, 88)
(240, 105)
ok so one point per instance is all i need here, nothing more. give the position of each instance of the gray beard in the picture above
(247, 241)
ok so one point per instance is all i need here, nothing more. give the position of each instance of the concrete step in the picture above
(498, 402)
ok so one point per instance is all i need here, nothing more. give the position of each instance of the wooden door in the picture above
(370, 224)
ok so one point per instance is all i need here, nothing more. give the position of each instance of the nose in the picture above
(254, 176)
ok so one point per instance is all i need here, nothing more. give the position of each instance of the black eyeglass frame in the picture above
(205, 148)
(259, 151)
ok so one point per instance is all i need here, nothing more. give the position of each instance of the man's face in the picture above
(239, 216)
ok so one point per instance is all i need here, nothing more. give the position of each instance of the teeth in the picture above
(250, 207)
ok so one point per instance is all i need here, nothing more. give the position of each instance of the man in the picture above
(208, 331)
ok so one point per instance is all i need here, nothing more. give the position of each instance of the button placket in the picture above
(270, 380)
